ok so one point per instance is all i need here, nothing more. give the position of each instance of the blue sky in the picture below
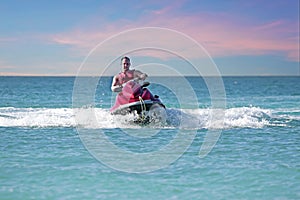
(242, 37)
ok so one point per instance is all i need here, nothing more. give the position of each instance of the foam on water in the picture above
(239, 117)
(36, 117)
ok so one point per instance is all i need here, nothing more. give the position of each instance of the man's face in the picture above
(125, 65)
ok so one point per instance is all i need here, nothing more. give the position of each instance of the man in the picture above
(126, 75)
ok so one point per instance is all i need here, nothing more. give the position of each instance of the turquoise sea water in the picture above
(256, 156)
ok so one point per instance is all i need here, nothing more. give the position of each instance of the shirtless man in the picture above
(126, 75)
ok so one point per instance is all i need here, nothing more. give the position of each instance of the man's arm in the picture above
(140, 75)
(114, 86)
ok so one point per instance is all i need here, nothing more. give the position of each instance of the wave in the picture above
(238, 117)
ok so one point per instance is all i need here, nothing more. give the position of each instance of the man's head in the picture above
(125, 63)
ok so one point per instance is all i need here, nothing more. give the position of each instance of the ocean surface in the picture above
(45, 155)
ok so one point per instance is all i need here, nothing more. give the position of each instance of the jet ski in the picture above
(137, 99)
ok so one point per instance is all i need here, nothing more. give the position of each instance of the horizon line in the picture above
(226, 75)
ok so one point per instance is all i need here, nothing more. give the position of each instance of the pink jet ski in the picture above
(136, 98)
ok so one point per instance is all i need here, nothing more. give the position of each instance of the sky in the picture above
(67, 38)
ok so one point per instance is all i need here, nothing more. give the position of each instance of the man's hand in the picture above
(117, 88)
(143, 76)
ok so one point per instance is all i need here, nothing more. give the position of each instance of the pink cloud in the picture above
(221, 34)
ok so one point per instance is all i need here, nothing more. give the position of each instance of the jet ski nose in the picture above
(132, 88)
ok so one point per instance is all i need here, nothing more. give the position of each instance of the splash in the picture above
(238, 117)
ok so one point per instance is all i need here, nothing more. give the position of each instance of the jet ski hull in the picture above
(138, 100)
(137, 107)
